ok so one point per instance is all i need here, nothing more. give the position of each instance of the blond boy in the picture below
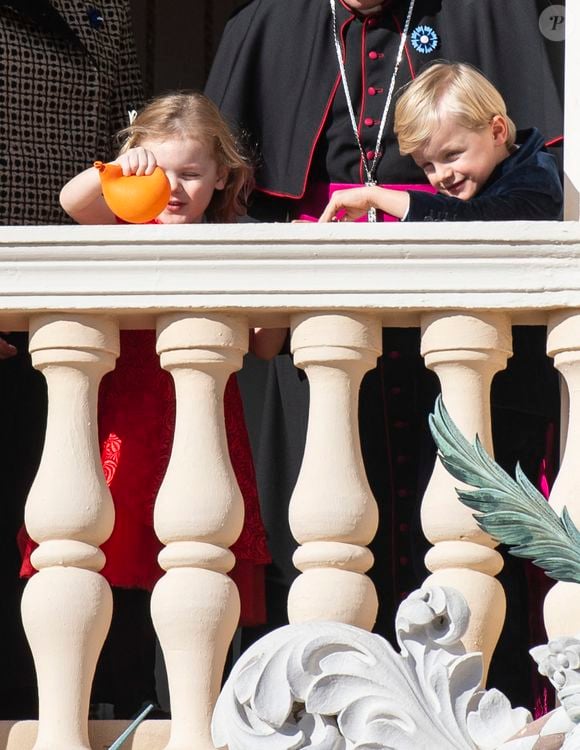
(454, 124)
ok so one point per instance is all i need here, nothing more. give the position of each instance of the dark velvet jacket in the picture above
(526, 185)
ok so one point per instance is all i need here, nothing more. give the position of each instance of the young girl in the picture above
(209, 177)
(187, 137)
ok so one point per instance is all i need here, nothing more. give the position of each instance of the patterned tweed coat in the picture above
(68, 76)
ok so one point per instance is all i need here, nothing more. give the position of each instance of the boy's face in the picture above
(458, 161)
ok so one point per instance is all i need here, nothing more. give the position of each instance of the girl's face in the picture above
(193, 175)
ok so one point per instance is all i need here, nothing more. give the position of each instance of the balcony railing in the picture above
(202, 288)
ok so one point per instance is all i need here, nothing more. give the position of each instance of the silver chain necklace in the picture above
(370, 170)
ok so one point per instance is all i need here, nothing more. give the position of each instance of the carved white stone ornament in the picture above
(559, 661)
(332, 686)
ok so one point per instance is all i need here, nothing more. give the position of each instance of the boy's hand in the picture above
(348, 205)
(137, 161)
(7, 350)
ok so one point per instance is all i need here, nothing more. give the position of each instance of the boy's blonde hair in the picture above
(455, 89)
(189, 114)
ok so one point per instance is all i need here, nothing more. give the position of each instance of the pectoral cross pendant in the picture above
(372, 212)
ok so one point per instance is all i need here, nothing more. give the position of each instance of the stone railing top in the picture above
(268, 270)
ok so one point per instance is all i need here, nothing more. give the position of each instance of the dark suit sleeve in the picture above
(539, 197)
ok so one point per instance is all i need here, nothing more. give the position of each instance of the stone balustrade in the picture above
(202, 288)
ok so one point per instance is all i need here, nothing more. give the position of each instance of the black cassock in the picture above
(276, 76)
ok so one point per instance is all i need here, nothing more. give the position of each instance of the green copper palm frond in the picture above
(130, 729)
(512, 511)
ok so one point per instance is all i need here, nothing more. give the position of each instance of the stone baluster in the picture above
(562, 603)
(333, 514)
(67, 605)
(198, 515)
(465, 350)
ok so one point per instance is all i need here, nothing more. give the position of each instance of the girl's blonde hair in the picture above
(189, 114)
(447, 89)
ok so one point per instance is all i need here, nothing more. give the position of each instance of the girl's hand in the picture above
(265, 343)
(137, 161)
(348, 205)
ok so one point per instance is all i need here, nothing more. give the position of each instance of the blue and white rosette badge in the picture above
(424, 39)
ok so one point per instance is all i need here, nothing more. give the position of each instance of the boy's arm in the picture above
(349, 205)
(516, 205)
(83, 200)
(532, 192)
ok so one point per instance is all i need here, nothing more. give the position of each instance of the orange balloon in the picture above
(135, 199)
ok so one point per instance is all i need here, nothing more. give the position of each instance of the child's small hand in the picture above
(348, 205)
(6, 350)
(137, 161)
(265, 343)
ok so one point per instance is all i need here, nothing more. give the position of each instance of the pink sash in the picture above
(317, 196)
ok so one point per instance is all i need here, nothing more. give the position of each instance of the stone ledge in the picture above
(150, 735)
